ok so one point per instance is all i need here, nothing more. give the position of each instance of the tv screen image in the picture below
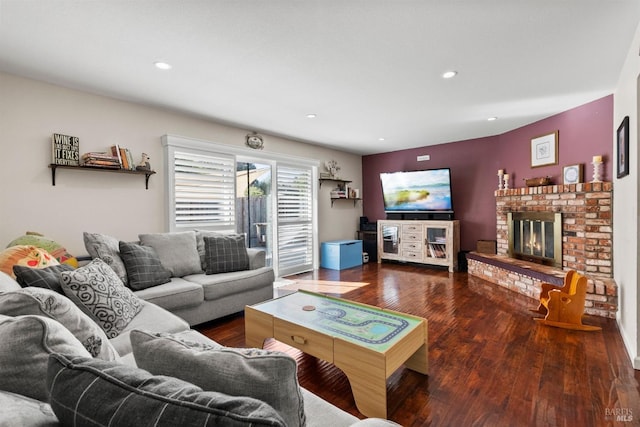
(417, 191)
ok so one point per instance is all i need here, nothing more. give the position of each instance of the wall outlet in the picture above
(423, 158)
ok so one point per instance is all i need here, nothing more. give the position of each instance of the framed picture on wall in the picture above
(623, 148)
(544, 150)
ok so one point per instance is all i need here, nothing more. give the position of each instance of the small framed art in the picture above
(573, 174)
(623, 148)
(544, 150)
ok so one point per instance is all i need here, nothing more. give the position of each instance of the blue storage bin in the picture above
(341, 254)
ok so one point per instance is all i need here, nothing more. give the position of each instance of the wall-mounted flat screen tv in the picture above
(417, 191)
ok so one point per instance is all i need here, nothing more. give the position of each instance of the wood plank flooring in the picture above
(490, 363)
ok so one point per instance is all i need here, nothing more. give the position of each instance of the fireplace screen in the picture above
(536, 237)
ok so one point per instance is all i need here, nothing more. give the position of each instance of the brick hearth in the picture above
(587, 233)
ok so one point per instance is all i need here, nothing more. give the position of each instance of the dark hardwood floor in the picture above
(490, 363)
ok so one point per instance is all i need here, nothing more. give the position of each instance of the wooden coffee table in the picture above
(367, 343)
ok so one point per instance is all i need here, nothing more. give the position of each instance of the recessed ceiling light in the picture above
(491, 119)
(162, 65)
(449, 74)
(311, 116)
(380, 139)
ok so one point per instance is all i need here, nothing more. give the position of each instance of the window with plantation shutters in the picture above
(201, 181)
(204, 190)
(295, 219)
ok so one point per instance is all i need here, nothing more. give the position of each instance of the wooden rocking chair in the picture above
(563, 307)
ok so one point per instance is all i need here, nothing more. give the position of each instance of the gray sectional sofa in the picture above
(193, 291)
(65, 359)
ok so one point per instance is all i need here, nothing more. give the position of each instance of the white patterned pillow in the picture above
(100, 293)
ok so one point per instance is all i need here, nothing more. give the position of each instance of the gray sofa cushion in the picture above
(144, 268)
(269, 376)
(94, 392)
(100, 293)
(48, 277)
(7, 283)
(25, 345)
(106, 248)
(17, 410)
(177, 293)
(150, 317)
(224, 284)
(177, 251)
(48, 303)
(224, 254)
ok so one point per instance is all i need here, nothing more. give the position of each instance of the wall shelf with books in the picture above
(146, 173)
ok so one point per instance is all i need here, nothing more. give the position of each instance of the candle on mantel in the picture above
(597, 159)
(500, 171)
(506, 181)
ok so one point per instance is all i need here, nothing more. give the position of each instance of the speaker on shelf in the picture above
(363, 220)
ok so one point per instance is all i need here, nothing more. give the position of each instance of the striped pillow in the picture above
(95, 392)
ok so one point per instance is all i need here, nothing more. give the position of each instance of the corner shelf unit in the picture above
(146, 174)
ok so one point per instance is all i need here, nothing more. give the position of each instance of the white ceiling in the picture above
(369, 69)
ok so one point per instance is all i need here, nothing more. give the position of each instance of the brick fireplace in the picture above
(587, 233)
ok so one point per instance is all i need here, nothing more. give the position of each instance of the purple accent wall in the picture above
(584, 131)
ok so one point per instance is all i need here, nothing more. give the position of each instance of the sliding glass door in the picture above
(253, 204)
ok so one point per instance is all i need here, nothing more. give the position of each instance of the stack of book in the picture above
(100, 160)
(124, 157)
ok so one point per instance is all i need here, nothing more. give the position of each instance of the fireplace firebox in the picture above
(536, 237)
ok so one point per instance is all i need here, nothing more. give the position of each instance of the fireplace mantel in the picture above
(587, 234)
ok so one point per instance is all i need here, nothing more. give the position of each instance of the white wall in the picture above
(625, 206)
(116, 204)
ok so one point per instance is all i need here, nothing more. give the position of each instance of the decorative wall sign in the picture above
(623, 148)
(65, 150)
(544, 150)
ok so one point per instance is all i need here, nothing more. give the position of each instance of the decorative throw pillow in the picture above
(48, 277)
(47, 303)
(144, 268)
(7, 283)
(269, 376)
(27, 255)
(27, 342)
(177, 251)
(18, 410)
(200, 235)
(107, 393)
(100, 293)
(58, 251)
(225, 253)
(106, 248)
